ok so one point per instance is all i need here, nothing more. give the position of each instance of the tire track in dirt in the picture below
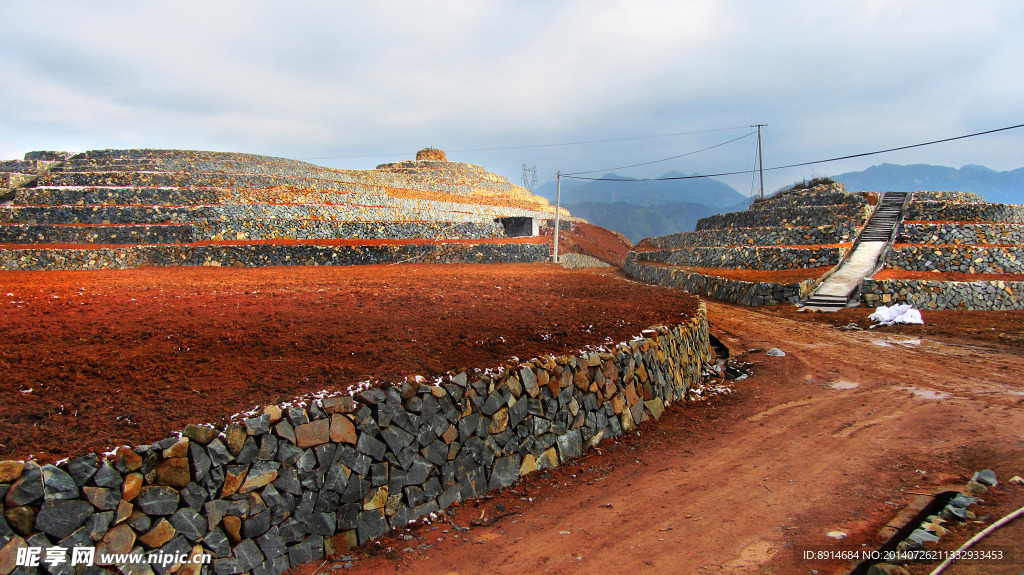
(734, 484)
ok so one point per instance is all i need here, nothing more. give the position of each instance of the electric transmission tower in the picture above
(529, 177)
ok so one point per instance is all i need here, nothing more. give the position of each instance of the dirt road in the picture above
(837, 435)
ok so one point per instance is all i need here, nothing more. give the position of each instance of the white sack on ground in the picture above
(904, 313)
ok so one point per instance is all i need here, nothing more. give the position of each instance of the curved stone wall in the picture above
(836, 195)
(290, 485)
(927, 294)
(961, 233)
(963, 212)
(154, 198)
(957, 258)
(269, 254)
(744, 257)
(791, 236)
(736, 291)
(927, 196)
(843, 214)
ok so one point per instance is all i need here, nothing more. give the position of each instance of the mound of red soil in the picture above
(590, 240)
(96, 359)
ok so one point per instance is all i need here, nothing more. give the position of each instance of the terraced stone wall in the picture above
(289, 485)
(941, 233)
(945, 210)
(833, 195)
(737, 291)
(977, 259)
(928, 294)
(246, 255)
(746, 257)
(788, 236)
(931, 196)
(842, 214)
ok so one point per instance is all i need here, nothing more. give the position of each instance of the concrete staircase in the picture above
(834, 293)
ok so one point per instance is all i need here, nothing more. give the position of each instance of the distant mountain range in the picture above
(612, 189)
(999, 187)
(645, 208)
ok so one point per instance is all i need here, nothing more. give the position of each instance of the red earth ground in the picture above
(837, 435)
(95, 359)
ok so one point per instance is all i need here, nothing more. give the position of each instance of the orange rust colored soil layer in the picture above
(96, 359)
(894, 274)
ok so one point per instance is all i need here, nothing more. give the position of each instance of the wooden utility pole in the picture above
(558, 210)
(760, 159)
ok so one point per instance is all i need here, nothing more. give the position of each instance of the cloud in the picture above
(314, 79)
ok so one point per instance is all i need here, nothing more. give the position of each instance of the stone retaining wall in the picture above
(844, 214)
(809, 198)
(747, 257)
(572, 261)
(239, 229)
(290, 485)
(927, 196)
(37, 258)
(961, 233)
(964, 212)
(952, 258)
(931, 294)
(730, 290)
(791, 236)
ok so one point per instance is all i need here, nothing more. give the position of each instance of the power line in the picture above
(861, 155)
(534, 145)
(662, 160)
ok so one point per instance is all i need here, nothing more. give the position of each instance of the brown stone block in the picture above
(235, 436)
(499, 421)
(159, 534)
(118, 540)
(233, 528)
(10, 471)
(232, 481)
(131, 486)
(179, 449)
(313, 433)
(342, 430)
(173, 472)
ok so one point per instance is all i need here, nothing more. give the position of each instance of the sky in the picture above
(498, 83)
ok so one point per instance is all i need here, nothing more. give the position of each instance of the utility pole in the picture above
(760, 158)
(558, 212)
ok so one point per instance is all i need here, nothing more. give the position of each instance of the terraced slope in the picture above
(954, 251)
(798, 232)
(124, 208)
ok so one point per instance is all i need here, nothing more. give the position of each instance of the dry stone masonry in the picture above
(954, 232)
(122, 208)
(294, 483)
(795, 229)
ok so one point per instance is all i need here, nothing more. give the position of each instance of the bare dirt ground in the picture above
(838, 435)
(90, 360)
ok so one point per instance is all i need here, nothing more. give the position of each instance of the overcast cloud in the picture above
(332, 80)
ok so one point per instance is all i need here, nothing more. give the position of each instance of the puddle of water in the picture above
(844, 385)
(926, 393)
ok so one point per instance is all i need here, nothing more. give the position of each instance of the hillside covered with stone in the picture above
(953, 251)
(125, 208)
(768, 254)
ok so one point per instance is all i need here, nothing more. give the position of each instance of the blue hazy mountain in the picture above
(614, 189)
(639, 222)
(1002, 187)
